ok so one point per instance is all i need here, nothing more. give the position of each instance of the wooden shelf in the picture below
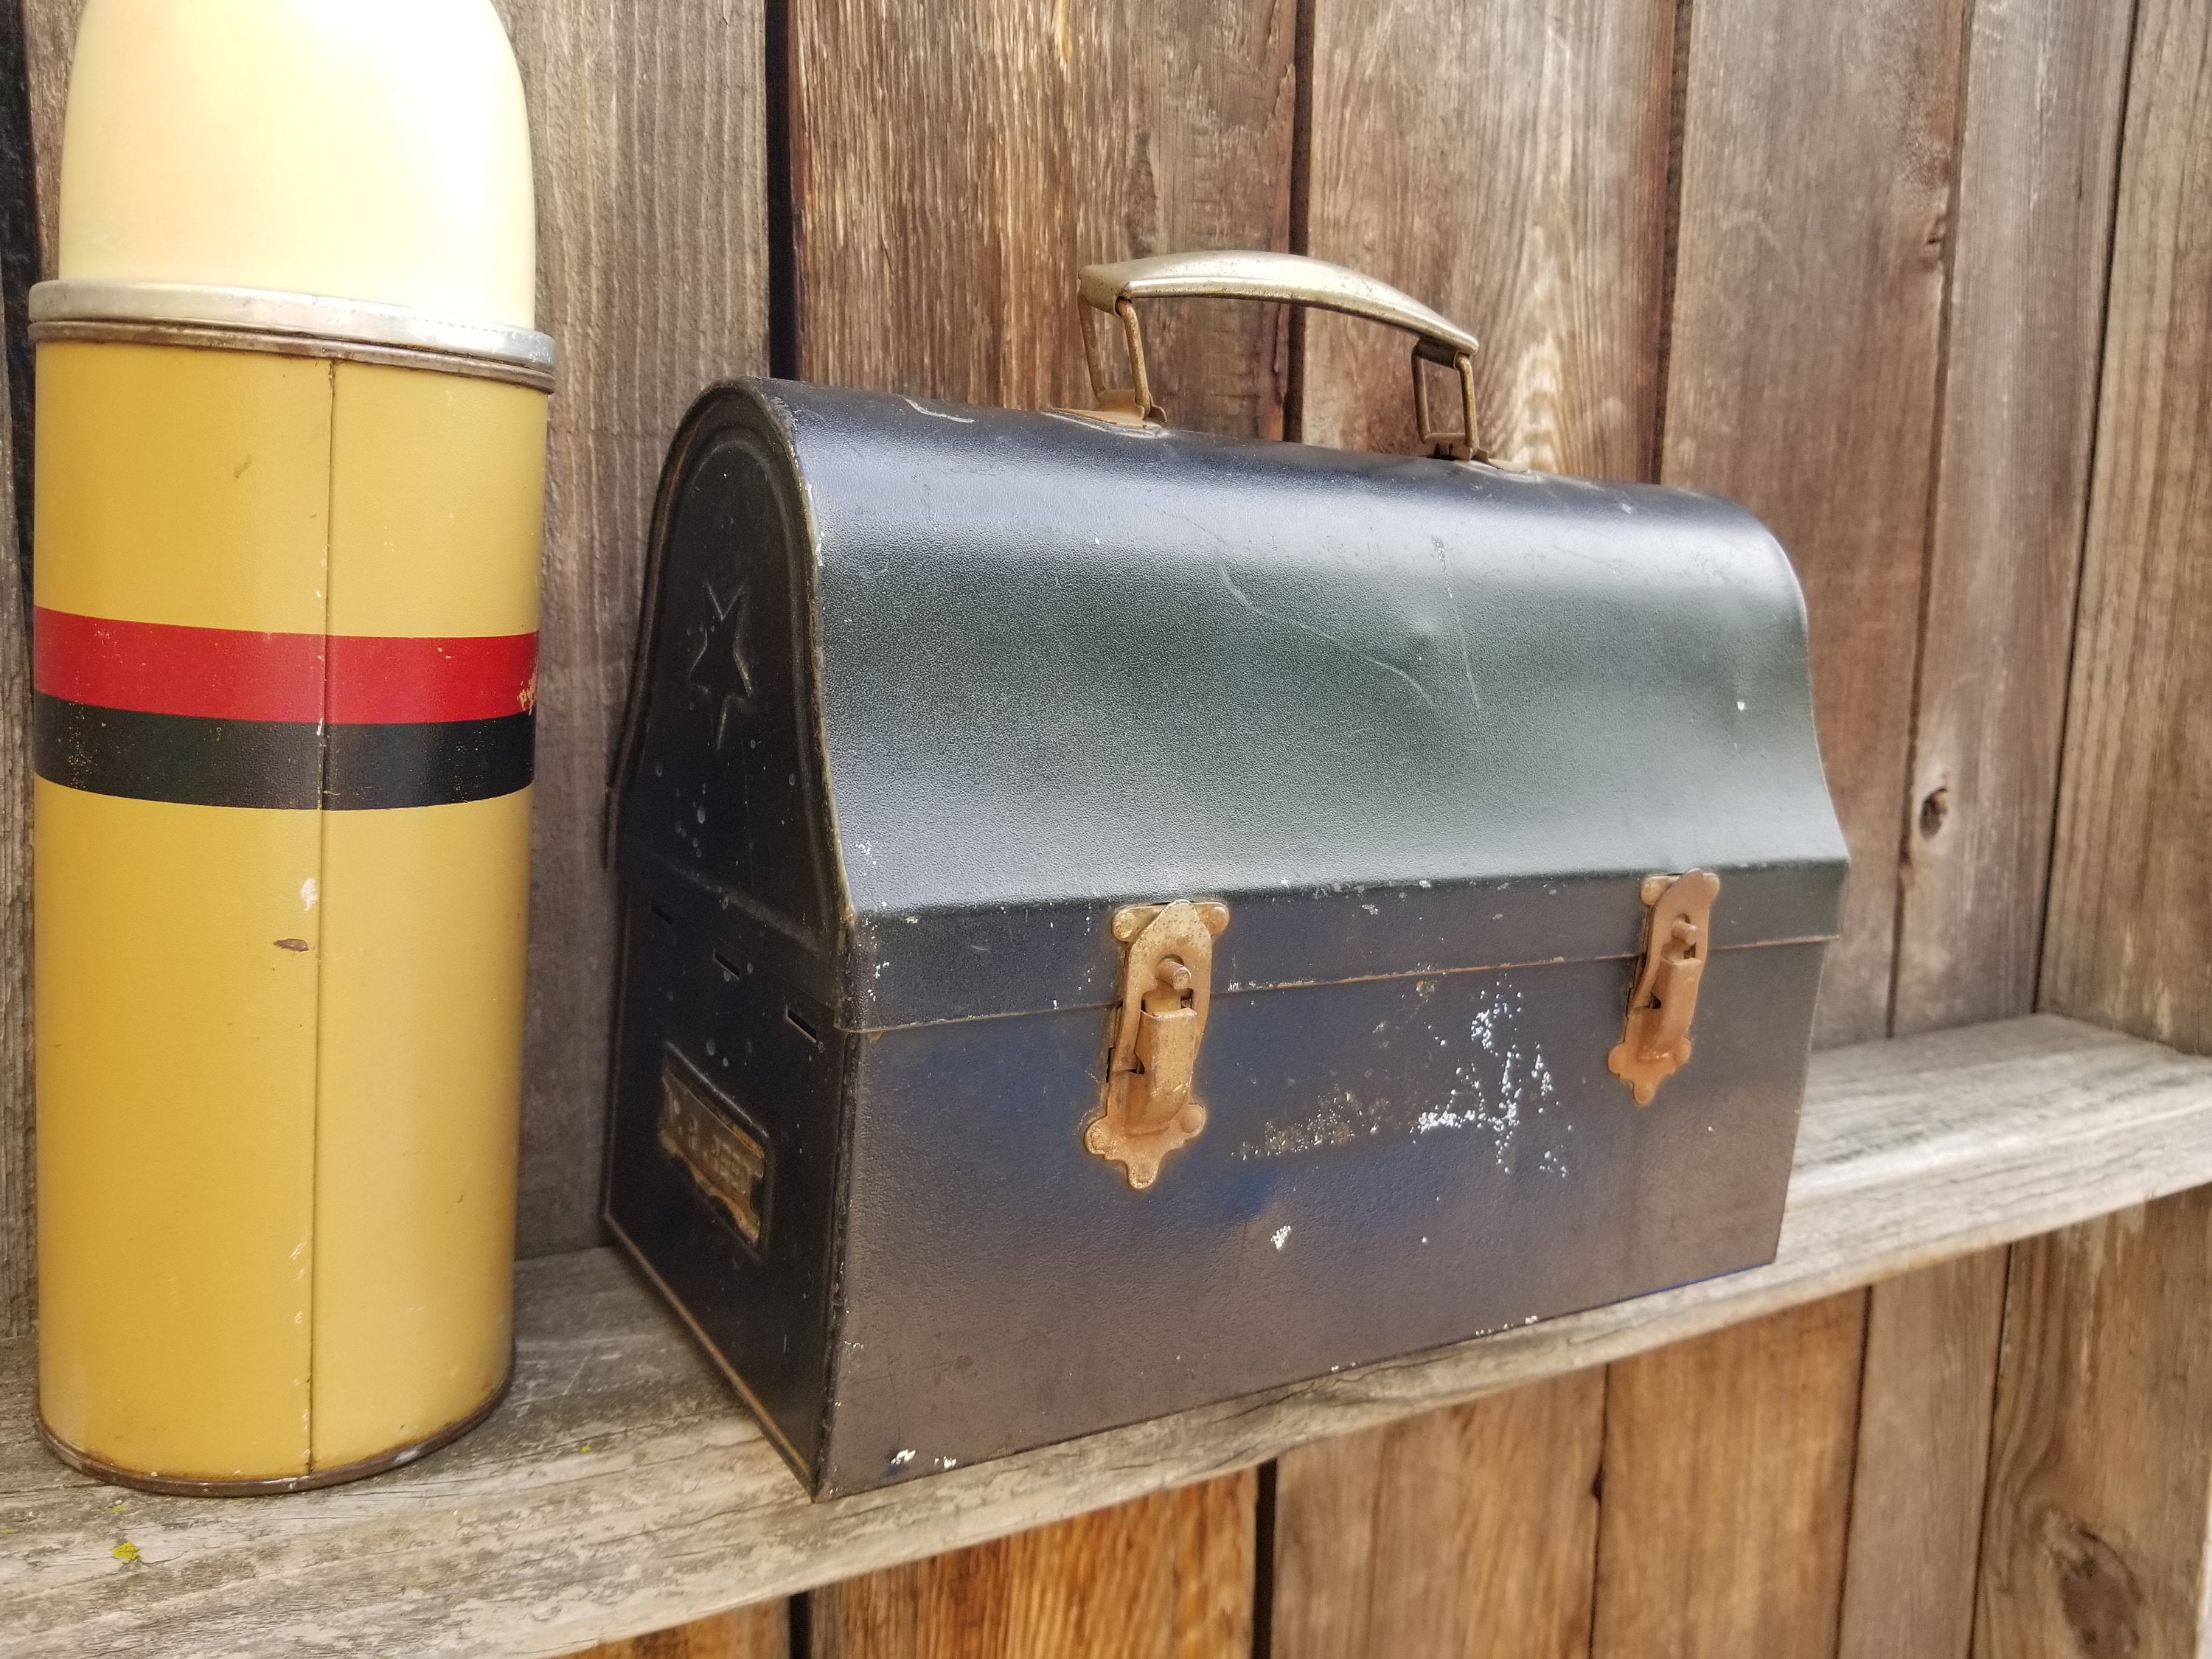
(619, 1489)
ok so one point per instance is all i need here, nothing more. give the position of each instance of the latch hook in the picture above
(1148, 1109)
(1677, 938)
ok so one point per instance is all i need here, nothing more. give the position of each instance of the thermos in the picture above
(290, 451)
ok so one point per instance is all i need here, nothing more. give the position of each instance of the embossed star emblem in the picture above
(718, 672)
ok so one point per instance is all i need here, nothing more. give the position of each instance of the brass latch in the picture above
(1167, 980)
(1677, 934)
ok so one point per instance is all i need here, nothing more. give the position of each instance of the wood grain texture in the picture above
(49, 32)
(49, 26)
(620, 1489)
(1508, 165)
(1924, 1439)
(651, 128)
(2038, 158)
(1801, 379)
(1457, 1534)
(2046, 84)
(1815, 181)
(951, 169)
(1147, 1581)
(2129, 941)
(1727, 1466)
(2097, 1527)
(2102, 1457)
(762, 1631)
(1505, 164)
(17, 1295)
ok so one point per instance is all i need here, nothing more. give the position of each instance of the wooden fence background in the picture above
(1927, 283)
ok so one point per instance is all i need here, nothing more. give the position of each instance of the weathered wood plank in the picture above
(1932, 1357)
(619, 1489)
(762, 1631)
(49, 32)
(1146, 1580)
(2039, 151)
(1754, 1424)
(650, 128)
(2097, 1525)
(948, 180)
(19, 264)
(2102, 1457)
(49, 26)
(1544, 128)
(1506, 165)
(2039, 141)
(1815, 181)
(1450, 1535)
(1807, 290)
(17, 1297)
(2131, 886)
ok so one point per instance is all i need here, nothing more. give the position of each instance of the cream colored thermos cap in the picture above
(370, 151)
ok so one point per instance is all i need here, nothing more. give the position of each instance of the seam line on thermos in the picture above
(322, 906)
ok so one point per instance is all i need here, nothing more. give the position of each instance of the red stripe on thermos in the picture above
(337, 679)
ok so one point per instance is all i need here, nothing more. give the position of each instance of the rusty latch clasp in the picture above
(1677, 936)
(1148, 1109)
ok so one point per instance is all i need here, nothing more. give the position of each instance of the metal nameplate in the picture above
(728, 1157)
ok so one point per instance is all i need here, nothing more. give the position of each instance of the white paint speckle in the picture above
(1740, 705)
(901, 1459)
(311, 892)
(948, 1462)
(1282, 1237)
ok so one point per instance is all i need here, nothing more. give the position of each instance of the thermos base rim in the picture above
(85, 1463)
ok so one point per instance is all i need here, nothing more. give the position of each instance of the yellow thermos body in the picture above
(291, 437)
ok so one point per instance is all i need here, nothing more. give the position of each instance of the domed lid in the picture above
(375, 151)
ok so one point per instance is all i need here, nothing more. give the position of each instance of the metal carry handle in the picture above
(1292, 279)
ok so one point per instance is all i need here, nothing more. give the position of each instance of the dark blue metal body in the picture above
(925, 693)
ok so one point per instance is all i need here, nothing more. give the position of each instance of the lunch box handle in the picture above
(1292, 279)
